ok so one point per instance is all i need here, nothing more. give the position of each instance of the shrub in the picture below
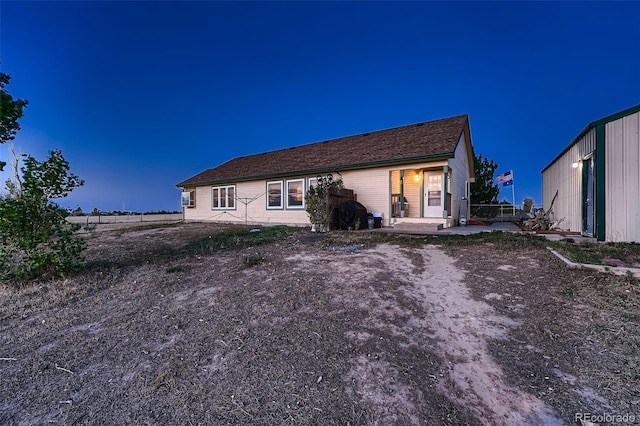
(318, 203)
(35, 237)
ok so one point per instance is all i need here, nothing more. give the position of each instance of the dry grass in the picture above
(167, 325)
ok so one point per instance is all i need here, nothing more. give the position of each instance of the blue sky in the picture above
(141, 95)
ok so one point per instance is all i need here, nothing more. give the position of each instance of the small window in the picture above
(231, 197)
(188, 199)
(274, 195)
(312, 182)
(295, 194)
(215, 198)
(223, 197)
(434, 198)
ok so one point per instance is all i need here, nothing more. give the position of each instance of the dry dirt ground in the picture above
(341, 329)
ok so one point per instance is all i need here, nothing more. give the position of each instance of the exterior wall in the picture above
(256, 211)
(561, 176)
(622, 179)
(459, 166)
(372, 187)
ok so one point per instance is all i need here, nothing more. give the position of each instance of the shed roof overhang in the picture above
(593, 125)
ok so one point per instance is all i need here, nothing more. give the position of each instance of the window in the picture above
(223, 197)
(295, 194)
(274, 195)
(312, 182)
(188, 199)
(434, 190)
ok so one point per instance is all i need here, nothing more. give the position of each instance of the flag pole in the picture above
(513, 192)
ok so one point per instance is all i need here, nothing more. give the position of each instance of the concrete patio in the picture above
(476, 229)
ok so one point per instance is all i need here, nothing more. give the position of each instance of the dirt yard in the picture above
(173, 325)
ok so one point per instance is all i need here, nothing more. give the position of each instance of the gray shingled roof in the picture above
(415, 142)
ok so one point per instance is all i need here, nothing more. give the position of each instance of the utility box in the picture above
(377, 219)
(462, 211)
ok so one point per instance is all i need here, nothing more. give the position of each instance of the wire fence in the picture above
(502, 212)
(128, 218)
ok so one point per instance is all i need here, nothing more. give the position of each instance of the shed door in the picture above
(588, 191)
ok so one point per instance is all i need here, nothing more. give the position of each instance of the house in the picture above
(417, 173)
(597, 179)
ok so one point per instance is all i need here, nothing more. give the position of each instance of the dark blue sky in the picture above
(141, 95)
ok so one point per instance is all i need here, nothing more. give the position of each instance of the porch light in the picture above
(416, 178)
(575, 164)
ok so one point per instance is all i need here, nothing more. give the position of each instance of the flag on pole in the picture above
(506, 178)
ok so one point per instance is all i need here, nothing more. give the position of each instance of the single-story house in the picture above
(417, 173)
(597, 179)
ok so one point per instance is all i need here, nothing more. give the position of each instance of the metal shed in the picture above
(597, 178)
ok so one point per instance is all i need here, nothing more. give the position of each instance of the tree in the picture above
(35, 237)
(10, 111)
(484, 190)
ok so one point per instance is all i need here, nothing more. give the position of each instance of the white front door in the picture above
(433, 194)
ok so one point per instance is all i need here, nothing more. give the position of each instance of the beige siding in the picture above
(371, 186)
(459, 176)
(202, 210)
(413, 192)
(253, 194)
(622, 179)
(374, 186)
(561, 176)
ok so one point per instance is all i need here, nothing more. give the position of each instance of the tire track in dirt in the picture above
(420, 310)
(461, 327)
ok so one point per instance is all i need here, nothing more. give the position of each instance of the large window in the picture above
(223, 197)
(274, 195)
(295, 194)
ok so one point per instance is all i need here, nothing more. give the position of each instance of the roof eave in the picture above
(568, 147)
(408, 160)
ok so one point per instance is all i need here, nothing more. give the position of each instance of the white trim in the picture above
(188, 199)
(300, 194)
(227, 200)
(281, 206)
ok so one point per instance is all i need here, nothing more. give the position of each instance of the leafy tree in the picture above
(10, 111)
(35, 237)
(484, 190)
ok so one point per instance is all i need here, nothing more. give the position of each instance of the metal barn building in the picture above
(597, 180)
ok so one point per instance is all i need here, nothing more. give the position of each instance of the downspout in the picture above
(402, 193)
(390, 198)
(445, 190)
